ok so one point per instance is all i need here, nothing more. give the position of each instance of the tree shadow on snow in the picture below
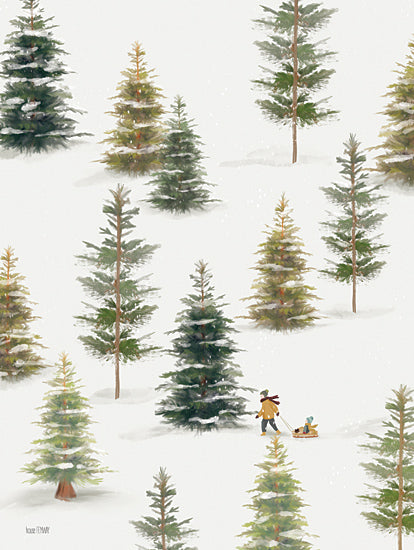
(273, 157)
(128, 396)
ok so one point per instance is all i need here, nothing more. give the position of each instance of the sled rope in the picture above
(288, 426)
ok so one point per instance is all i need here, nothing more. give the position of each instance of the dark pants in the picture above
(271, 422)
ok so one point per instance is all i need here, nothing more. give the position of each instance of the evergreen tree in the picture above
(350, 232)
(282, 300)
(180, 185)
(202, 390)
(34, 115)
(136, 140)
(18, 358)
(120, 298)
(163, 529)
(398, 159)
(64, 455)
(277, 505)
(392, 500)
(296, 72)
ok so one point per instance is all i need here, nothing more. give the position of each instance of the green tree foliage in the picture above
(163, 529)
(180, 184)
(397, 161)
(391, 500)
(64, 454)
(296, 69)
(277, 505)
(350, 233)
(282, 300)
(202, 391)
(120, 298)
(34, 115)
(136, 140)
(18, 358)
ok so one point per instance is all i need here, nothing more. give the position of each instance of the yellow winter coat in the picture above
(268, 410)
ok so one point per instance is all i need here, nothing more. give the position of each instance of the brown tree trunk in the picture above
(65, 491)
(118, 302)
(400, 481)
(277, 528)
(138, 135)
(295, 84)
(353, 241)
(163, 541)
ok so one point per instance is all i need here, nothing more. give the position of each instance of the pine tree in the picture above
(392, 500)
(136, 140)
(18, 358)
(163, 529)
(180, 184)
(397, 161)
(34, 115)
(282, 299)
(64, 455)
(350, 233)
(202, 390)
(120, 297)
(277, 505)
(296, 72)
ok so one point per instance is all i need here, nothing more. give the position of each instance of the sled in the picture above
(299, 434)
(302, 435)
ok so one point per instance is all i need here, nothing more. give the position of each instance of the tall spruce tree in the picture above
(18, 358)
(296, 71)
(350, 232)
(120, 298)
(180, 185)
(203, 390)
(64, 454)
(277, 505)
(282, 300)
(392, 498)
(136, 140)
(163, 529)
(34, 114)
(397, 161)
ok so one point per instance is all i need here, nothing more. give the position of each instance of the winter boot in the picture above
(263, 433)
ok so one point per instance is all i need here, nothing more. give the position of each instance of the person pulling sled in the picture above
(268, 411)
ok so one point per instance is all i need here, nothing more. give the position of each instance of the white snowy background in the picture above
(341, 371)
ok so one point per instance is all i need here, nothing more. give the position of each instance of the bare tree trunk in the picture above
(295, 84)
(277, 528)
(400, 481)
(353, 240)
(65, 491)
(118, 299)
(138, 135)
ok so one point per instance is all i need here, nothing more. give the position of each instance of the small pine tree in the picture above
(120, 298)
(180, 185)
(18, 358)
(64, 455)
(282, 300)
(34, 115)
(202, 390)
(392, 500)
(136, 140)
(350, 237)
(397, 161)
(296, 71)
(164, 530)
(277, 505)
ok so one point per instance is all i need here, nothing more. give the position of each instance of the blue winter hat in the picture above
(309, 420)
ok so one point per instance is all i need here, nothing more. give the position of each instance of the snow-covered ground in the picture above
(341, 371)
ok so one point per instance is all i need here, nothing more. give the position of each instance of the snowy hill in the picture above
(341, 371)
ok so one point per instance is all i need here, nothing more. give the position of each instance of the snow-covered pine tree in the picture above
(120, 298)
(296, 71)
(282, 300)
(392, 499)
(34, 114)
(163, 529)
(203, 390)
(136, 140)
(350, 232)
(180, 184)
(277, 505)
(64, 454)
(397, 161)
(18, 358)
